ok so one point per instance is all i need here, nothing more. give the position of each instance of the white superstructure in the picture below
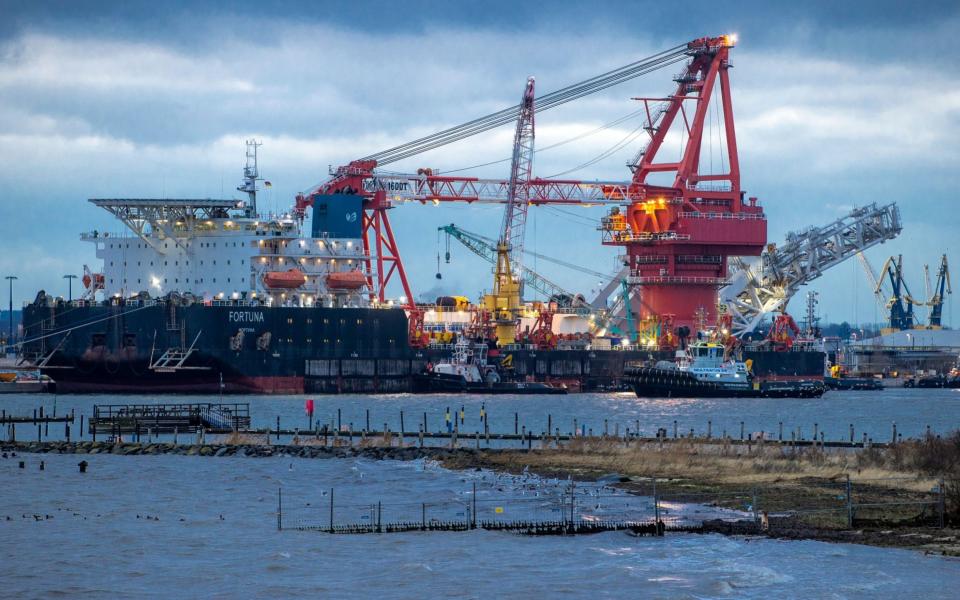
(224, 250)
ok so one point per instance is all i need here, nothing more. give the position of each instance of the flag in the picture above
(267, 184)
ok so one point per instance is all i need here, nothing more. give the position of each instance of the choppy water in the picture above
(151, 527)
(871, 412)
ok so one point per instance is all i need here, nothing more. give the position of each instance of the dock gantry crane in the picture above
(935, 299)
(901, 301)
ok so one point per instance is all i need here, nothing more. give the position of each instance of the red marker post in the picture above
(308, 407)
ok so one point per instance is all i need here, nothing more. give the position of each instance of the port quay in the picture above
(354, 300)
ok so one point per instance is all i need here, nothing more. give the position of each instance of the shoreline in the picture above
(905, 534)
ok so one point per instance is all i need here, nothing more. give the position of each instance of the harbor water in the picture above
(870, 412)
(191, 527)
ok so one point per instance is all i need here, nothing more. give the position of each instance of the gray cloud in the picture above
(825, 116)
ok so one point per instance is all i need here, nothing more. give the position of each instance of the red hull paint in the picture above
(273, 385)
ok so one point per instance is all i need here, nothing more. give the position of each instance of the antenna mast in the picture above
(250, 176)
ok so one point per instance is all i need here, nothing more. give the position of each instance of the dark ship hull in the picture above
(170, 347)
(431, 383)
(652, 382)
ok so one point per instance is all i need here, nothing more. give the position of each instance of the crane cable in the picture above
(545, 102)
(575, 138)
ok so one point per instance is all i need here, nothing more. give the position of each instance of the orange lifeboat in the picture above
(284, 280)
(346, 280)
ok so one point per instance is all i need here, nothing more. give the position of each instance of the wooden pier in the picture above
(169, 418)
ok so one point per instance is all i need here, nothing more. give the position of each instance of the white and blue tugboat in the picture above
(704, 369)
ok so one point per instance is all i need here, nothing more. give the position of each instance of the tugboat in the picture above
(467, 371)
(703, 370)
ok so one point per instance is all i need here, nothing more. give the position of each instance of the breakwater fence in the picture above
(449, 427)
(568, 509)
(527, 509)
(452, 427)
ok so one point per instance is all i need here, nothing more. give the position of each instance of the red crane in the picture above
(677, 236)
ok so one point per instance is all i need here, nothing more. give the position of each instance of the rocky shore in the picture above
(247, 450)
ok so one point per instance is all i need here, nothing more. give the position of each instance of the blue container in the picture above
(337, 216)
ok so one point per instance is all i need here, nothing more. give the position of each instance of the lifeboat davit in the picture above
(346, 280)
(284, 280)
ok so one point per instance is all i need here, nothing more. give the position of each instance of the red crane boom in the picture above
(677, 237)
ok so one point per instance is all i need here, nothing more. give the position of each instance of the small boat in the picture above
(346, 280)
(703, 370)
(290, 279)
(467, 371)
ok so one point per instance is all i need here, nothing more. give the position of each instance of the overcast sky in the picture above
(834, 108)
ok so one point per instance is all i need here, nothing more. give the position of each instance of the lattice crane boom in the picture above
(486, 249)
(758, 290)
(513, 230)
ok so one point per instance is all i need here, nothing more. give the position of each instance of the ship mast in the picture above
(250, 176)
